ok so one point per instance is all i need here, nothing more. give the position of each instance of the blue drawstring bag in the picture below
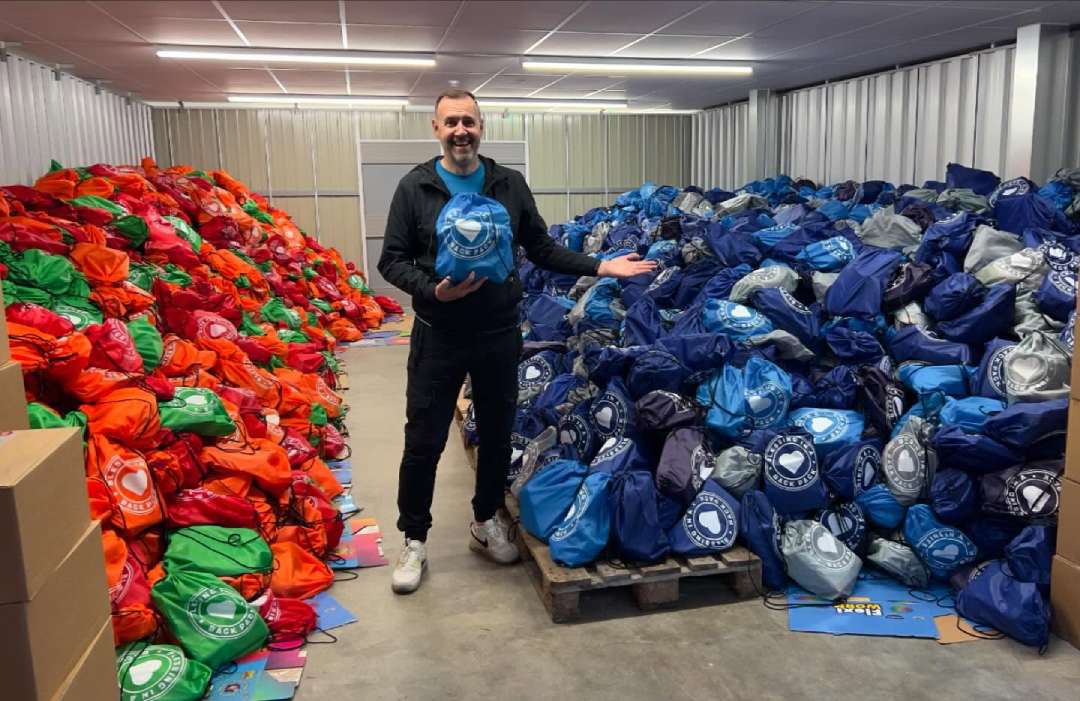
(926, 379)
(1056, 295)
(1028, 211)
(760, 528)
(827, 256)
(793, 480)
(858, 289)
(552, 400)
(637, 533)
(831, 429)
(853, 346)
(576, 429)
(992, 317)
(685, 463)
(1031, 491)
(971, 413)
(719, 285)
(662, 289)
(548, 494)
(546, 317)
(989, 379)
(641, 325)
(787, 313)
(700, 352)
(769, 237)
(768, 393)
(583, 532)
(955, 295)
(619, 455)
(833, 210)
(973, 452)
(661, 410)
(847, 524)
(853, 469)
(992, 534)
(737, 321)
(613, 411)
(709, 525)
(916, 343)
(981, 182)
(655, 369)
(1025, 424)
(695, 276)
(881, 507)
(836, 389)
(724, 395)
(995, 598)
(943, 549)
(1030, 554)
(474, 236)
(733, 248)
(535, 372)
(946, 242)
(953, 496)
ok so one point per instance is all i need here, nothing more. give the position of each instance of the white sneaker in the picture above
(492, 539)
(410, 567)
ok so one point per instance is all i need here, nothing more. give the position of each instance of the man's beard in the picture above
(461, 156)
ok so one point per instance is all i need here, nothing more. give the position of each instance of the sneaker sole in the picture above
(480, 549)
(409, 589)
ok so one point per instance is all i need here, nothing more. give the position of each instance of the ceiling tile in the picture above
(163, 30)
(63, 21)
(193, 9)
(315, 82)
(543, 16)
(307, 11)
(588, 82)
(637, 17)
(479, 39)
(292, 35)
(831, 51)
(431, 84)
(665, 46)
(735, 18)
(368, 38)
(121, 56)
(942, 19)
(750, 49)
(583, 44)
(415, 14)
(517, 81)
(830, 20)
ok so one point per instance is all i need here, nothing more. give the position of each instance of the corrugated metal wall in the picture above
(721, 150)
(305, 160)
(46, 115)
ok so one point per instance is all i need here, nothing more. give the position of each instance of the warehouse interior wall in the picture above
(47, 114)
(305, 161)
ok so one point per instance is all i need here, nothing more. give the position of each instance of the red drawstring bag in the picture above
(40, 318)
(302, 357)
(290, 620)
(333, 443)
(330, 517)
(257, 352)
(198, 507)
(208, 325)
(389, 305)
(297, 447)
(113, 348)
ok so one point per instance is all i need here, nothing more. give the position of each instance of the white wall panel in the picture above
(45, 116)
(890, 120)
(720, 148)
(946, 116)
(992, 109)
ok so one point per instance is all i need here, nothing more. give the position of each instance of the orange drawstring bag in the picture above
(129, 592)
(297, 573)
(128, 415)
(100, 264)
(97, 186)
(92, 384)
(249, 585)
(134, 500)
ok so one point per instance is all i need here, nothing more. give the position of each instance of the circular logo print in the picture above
(904, 464)
(1064, 281)
(827, 550)
(839, 247)
(660, 279)
(612, 448)
(471, 237)
(824, 425)
(1058, 257)
(609, 415)
(574, 430)
(792, 302)
(867, 464)
(894, 404)
(220, 613)
(1033, 492)
(535, 372)
(767, 403)
(130, 478)
(710, 523)
(153, 673)
(738, 316)
(790, 462)
(995, 368)
(1066, 336)
(574, 514)
(118, 592)
(846, 522)
(945, 549)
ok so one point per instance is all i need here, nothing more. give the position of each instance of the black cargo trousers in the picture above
(438, 362)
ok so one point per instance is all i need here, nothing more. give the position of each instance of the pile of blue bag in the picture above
(858, 375)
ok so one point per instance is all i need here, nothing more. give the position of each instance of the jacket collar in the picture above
(493, 173)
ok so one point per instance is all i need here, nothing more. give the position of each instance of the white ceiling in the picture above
(480, 44)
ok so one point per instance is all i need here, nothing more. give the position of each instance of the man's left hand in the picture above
(626, 266)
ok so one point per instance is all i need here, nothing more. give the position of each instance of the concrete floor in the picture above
(477, 631)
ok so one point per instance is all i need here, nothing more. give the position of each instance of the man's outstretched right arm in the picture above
(401, 248)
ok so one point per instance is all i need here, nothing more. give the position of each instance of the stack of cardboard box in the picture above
(56, 642)
(1065, 575)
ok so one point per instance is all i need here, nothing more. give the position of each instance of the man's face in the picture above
(458, 127)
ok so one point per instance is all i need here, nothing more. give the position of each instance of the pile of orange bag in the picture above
(189, 328)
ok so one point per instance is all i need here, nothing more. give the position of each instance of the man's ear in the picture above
(435, 128)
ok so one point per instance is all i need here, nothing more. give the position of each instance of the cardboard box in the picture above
(1068, 530)
(5, 351)
(94, 676)
(45, 638)
(43, 506)
(13, 416)
(1072, 440)
(1065, 599)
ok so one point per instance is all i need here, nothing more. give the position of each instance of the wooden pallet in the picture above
(460, 409)
(653, 586)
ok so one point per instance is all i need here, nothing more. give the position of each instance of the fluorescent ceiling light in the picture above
(320, 100)
(541, 104)
(258, 55)
(624, 66)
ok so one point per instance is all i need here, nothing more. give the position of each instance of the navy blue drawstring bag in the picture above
(926, 379)
(853, 469)
(554, 395)
(695, 276)
(619, 455)
(858, 289)
(724, 396)
(973, 452)
(769, 237)
(733, 249)
(953, 496)
(637, 532)
(970, 413)
(1030, 554)
(836, 389)
(787, 313)
(955, 295)
(655, 369)
(1056, 295)
(945, 242)
(827, 256)
(576, 429)
(613, 411)
(660, 410)
(1024, 424)
(995, 598)
(831, 429)
(710, 523)
(1029, 492)
(881, 507)
(686, 462)
(911, 283)
(737, 321)
(915, 343)
(690, 321)
(663, 288)
(847, 524)
(792, 473)
(981, 182)
(943, 549)
(474, 236)
(699, 352)
(992, 317)
(760, 527)
(989, 379)
(583, 532)
(1028, 211)
(641, 325)
(535, 372)
(548, 494)
(880, 399)
(853, 346)
(719, 285)
(547, 317)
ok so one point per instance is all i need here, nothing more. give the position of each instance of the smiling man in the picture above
(464, 326)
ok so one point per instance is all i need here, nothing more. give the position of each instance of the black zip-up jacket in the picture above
(408, 255)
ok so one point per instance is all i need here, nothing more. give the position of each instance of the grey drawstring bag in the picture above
(737, 470)
(695, 249)
(923, 193)
(1027, 266)
(1028, 318)
(739, 203)
(761, 279)
(958, 198)
(903, 463)
(594, 241)
(818, 561)
(531, 457)
(987, 245)
(1037, 370)
(898, 560)
(911, 314)
(787, 346)
(821, 282)
(895, 231)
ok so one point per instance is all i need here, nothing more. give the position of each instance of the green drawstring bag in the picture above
(252, 208)
(184, 231)
(176, 275)
(242, 282)
(159, 673)
(318, 415)
(200, 174)
(309, 272)
(312, 320)
(113, 208)
(142, 275)
(275, 363)
(219, 550)
(195, 409)
(147, 341)
(290, 336)
(265, 267)
(79, 311)
(322, 305)
(249, 327)
(276, 312)
(132, 227)
(53, 274)
(357, 283)
(243, 256)
(211, 621)
(331, 361)
(14, 292)
(42, 416)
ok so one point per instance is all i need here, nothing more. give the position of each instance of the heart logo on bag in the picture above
(135, 482)
(948, 552)
(221, 609)
(759, 403)
(1026, 368)
(532, 372)
(196, 400)
(792, 461)
(142, 672)
(905, 463)
(820, 424)
(604, 416)
(710, 521)
(1036, 497)
(216, 330)
(468, 228)
(826, 543)
(740, 312)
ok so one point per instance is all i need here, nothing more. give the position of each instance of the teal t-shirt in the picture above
(473, 182)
